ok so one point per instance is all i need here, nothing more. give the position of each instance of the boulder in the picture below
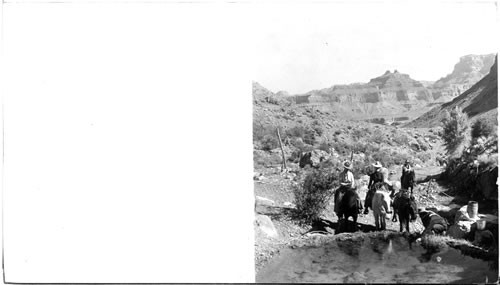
(264, 205)
(263, 201)
(265, 224)
(415, 146)
(313, 158)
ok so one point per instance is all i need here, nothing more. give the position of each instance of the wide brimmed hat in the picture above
(377, 164)
(347, 165)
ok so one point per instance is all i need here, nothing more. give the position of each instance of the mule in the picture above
(349, 206)
(380, 208)
(406, 209)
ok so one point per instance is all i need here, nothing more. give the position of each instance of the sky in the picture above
(302, 47)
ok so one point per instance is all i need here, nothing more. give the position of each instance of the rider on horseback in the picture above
(376, 181)
(408, 177)
(346, 182)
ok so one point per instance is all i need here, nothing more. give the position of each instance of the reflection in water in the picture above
(372, 260)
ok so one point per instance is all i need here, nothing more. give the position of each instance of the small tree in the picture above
(481, 128)
(313, 195)
(455, 129)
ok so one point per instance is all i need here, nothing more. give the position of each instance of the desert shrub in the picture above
(454, 130)
(297, 142)
(307, 135)
(397, 158)
(312, 196)
(266, 160)
(318, 130)
(358, 134)
(337, 132)
(342, 147)
(401, 139)
(325, 146)
(423, 156)
(378, 136)
(269, 142)
(481, 128)
(487, 160)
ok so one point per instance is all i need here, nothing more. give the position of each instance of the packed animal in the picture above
(381, 197)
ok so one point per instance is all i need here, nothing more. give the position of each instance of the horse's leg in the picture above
(394, 215)
(401, 222)
(355, 221)
(340, 220)
(382, 221)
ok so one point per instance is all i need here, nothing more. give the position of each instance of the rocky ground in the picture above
(275, 229)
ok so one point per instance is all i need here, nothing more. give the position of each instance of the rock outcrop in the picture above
(467, 72)
(391, 93)
(481, 100)
(265, 224)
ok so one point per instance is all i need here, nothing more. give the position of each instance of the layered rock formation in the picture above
(481, 100)
(388, 95)
(467, 72)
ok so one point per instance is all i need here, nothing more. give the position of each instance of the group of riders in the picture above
(376, 198)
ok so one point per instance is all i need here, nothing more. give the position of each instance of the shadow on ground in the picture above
(326, 226)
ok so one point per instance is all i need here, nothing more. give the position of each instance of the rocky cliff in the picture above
(467, 72)
(389, 95)
(481, 100)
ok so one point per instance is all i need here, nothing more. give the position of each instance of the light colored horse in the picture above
(380, 206)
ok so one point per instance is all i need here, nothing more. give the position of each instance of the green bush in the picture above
(266, 160)
(318, 130)
(455, 128)
(378, 136)
(307, 135)
(325, 146)
(312, 196)
(401, 139)
(269, 142)
(423, 156)
(357, 134)
(481, 128)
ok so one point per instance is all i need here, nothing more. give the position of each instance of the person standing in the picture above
(376, 180)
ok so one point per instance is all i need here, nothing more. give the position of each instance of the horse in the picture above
(349, 205)
(379, 186)
(380, 207)
(406, 209)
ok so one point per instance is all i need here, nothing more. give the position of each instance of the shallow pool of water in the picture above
(374, 260)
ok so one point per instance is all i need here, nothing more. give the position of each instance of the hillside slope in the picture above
(481, 100)
(467, 72)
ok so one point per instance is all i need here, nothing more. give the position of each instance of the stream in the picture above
(375, 260)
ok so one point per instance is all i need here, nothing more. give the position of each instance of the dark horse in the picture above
(406, 209)
(348, 204)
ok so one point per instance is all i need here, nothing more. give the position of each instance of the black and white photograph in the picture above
(220, 141)
(375, 143)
